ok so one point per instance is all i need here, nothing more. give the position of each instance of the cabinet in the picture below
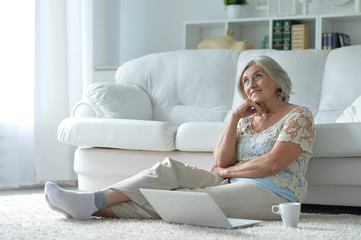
(254, 29)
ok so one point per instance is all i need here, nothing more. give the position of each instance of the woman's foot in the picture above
(55, 208)
(78, 205)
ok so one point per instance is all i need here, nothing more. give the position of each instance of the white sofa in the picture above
(177, 104)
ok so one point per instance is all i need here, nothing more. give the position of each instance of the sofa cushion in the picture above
(119, 101)
(352, 113)
(118, 133)
(185, 86)
(199, 136)
(304, 67)
(341, 83)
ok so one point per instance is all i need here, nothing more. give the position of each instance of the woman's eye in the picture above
(245, 80)
(258, 76)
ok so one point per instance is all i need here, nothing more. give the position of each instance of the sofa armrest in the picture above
(338, 140)
(85, 108)
(111, 100)
(118, 133)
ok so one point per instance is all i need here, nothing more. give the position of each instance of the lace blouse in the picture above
(296, 126)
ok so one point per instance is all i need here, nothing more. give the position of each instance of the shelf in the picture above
(254, 29)
(348, 24)
(196, 32)
(338, 17)
(310, 21)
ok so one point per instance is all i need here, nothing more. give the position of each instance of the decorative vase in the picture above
(236, 11)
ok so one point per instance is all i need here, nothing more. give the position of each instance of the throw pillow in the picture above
(351, 113)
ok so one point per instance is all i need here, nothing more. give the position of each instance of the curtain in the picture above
(46, 63)
(62, 73)
(17, 93)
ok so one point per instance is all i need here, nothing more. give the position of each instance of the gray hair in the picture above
(275, 71)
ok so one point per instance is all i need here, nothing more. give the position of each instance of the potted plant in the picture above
(234, 8)
(235, 2)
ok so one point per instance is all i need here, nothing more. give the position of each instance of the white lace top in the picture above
(297, 126)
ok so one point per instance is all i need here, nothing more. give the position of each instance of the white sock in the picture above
(55, 208)
(78, 205)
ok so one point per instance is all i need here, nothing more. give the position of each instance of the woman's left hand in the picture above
(222, 172)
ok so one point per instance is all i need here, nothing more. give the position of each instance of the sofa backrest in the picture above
(185, 86)
(200, 85)
(341, 83)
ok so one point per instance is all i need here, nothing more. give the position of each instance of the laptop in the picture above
(193, 208)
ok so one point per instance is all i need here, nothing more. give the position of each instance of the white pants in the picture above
(239, 199)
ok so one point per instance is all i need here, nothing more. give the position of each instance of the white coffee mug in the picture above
(290, 213)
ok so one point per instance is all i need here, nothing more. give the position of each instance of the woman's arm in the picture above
(225, 153)
(289, 146)
(282, 155)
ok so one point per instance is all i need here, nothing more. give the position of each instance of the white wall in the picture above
(141, 27)
(150, 26)
(106, 27)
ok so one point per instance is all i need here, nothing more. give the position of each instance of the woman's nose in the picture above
(253, 83)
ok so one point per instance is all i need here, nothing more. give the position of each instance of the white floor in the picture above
(21, 191)
(26, 216)
(28, 191)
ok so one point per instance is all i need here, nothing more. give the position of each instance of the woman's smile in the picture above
(255, 92)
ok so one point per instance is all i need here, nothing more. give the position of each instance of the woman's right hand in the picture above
(247, 108)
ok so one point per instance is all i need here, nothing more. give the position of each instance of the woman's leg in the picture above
(167, 175)
(79, 205)
(124, 199)
(112, 197)
(245, 200)
(237, 200)
(62, 198)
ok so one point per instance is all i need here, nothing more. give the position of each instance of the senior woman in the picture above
(260, 159)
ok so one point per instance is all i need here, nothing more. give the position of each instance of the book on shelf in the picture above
(266, 42)
(332, 40)
(299, 37)
(277, 34)
(344, 40)
(287, 34)
(282, 39)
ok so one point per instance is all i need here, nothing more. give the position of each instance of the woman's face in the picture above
(258, 85)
